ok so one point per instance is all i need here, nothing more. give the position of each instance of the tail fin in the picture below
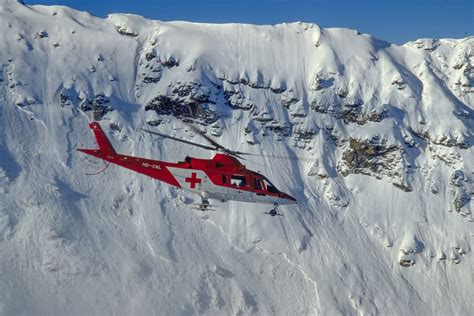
(102, 141)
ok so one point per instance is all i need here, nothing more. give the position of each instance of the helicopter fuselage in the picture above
(222, 178)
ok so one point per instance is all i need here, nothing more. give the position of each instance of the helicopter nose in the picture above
(290, 198)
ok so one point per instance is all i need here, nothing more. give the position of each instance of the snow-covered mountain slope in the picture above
(384, 223)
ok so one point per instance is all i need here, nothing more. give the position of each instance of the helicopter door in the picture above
(238, 181)
(258, 186)
(259, 189)
(240, 186)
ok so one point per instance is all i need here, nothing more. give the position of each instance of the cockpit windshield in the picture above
(270, 187)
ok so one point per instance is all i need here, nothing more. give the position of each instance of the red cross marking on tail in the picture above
(193, 180)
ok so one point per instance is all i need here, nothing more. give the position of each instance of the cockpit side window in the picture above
(238, 181)
(258, 183)
(270, 187)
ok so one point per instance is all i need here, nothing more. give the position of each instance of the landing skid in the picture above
(274, 211)
(204, 205)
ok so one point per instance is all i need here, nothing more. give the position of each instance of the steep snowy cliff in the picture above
(384, 222)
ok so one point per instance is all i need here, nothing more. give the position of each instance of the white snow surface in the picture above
(122, 243)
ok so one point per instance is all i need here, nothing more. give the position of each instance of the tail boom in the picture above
(152, 168)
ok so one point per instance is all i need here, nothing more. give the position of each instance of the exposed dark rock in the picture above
(288, 100)
(461, 200)
(351, 112)
(304, 134)
(150, 55)
(406, 261)
(450, 157)
(427, 44)
(25, 101)
(99, 105)
(236, 100)
(42, 34)
(378, 114)
(194, 90)
(170, 63)
(399, 83)
(461, 195)
(317, 84)
(368, 155)
(189, 100)
(150, 68)
(258, 84)
(164, 105)
(261, 116)
(342, 92)
(124, 31)
(278, 90)
(281, 130)
(402, 186)
(64, 99)
(320, 82)
(446, 141)
(115, 127)
(299, 114)
(457, 178)
(374, 157)
(154, 122)
(149, 79)
(318, 107)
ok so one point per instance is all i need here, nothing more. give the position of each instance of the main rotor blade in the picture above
(213, 142)
(210, 140)
(234, 153)
(277, 157)
(180, 140)
(239, 154)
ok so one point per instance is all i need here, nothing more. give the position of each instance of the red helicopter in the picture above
(222, 178)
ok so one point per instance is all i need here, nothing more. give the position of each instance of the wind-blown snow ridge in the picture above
(384, 222)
